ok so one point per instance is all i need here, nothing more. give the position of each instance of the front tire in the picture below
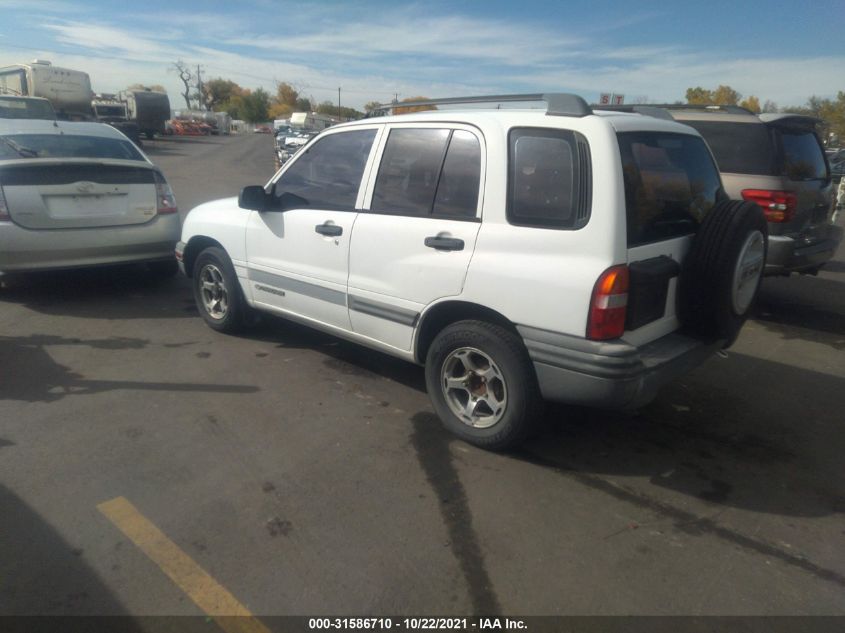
(482, 384)
(217, 291)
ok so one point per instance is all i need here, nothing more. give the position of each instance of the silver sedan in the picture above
(81, 194)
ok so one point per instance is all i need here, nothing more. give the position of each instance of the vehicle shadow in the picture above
(722, 435)
(808, 308)
(44, 575)
(348, 358)
(36, 377)
(113, 292)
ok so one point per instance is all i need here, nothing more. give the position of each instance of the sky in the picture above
(784, 51)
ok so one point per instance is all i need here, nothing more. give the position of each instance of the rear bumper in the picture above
(23, 250)
(610, 375)
(790, 255)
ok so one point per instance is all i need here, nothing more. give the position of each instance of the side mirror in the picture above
(253, 198)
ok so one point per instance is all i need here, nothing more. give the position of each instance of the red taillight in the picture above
(609, 304)
(165, 200)
(778, 206)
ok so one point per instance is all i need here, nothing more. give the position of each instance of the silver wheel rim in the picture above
(474, 387)
(749, 267)
(215, 297)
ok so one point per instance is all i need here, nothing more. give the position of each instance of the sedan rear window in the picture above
(671, 183)
(739, 148)
(66, 146)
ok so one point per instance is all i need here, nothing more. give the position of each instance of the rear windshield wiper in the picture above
(24, 152)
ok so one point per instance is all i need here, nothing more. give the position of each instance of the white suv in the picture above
(519, 254)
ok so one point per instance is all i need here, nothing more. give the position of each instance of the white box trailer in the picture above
(311, 121)
(69, 91)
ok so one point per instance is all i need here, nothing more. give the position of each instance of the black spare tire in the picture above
(723, 271)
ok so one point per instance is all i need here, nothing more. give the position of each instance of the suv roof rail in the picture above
(649, 108)
(558, 103)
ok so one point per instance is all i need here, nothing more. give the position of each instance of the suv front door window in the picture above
(298, 252)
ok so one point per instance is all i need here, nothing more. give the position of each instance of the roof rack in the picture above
(659, 109)
(558, 103)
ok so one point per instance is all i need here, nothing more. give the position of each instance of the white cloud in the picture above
(787, 81)
(407, 34)
(407, 51)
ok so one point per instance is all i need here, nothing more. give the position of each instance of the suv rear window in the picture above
(671, 183)
(802, 155)
(739, 148)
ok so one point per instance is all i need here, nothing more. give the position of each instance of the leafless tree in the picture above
(187, 78)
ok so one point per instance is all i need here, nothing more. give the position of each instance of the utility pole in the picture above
(199, 89)
(338, 101)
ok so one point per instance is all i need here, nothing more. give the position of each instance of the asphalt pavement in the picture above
(306, 475)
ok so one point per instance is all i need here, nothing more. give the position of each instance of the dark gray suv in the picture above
(777, 161)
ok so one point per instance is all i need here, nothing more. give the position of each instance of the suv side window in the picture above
(802, 155)
(457, 192)
(426, 172)
(549, 179)
(328, 174)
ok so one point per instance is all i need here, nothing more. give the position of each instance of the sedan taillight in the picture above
(165, 200)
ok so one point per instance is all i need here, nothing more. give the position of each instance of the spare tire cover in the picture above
(722, 273)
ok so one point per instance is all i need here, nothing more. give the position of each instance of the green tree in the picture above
(303, 104)
(370, 106)
(280, 111)
(286, 94)
(256, 106)
(751, 103)
(219, 91)
(327, 107)
(699, 96)
(725, 95)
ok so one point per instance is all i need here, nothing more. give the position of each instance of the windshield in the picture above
(66, 146)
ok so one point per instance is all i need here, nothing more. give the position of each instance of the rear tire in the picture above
(723, 271)
(217, 291)
(482, 384)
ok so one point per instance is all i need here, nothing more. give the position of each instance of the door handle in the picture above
(329, 230)
(444, 243)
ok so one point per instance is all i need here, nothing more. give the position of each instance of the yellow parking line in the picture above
(207, 594)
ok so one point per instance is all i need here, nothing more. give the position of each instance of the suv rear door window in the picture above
(548, 182)
(328, 174)
(802, 155)
(671, 183)
(457, 191)
(739, 148)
